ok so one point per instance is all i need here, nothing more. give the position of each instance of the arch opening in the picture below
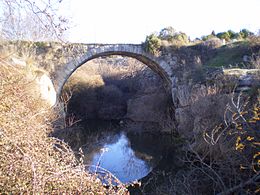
(159, 67)
(112, 84)
(140, 111)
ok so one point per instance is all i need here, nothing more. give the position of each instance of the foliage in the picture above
(255, 61)
(254, 41)
(230, 35)
(173, 37)
(231, 162)
(182, 37)
(207, 37)
(167, 37)
(245, 33)
(152, 44)
(106, 83)
(223, 35)
(212, 43)
(31, 161)
(167, 33)
(231, 55)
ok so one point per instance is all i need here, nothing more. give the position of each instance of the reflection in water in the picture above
(126, 152)
(121, 161)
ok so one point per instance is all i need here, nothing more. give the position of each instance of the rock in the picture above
(18, 61)
(112, 111)
(185, 122)
(149, 107)
(213, 43)
(203, 110)
(246, 58)
(47, 91)
(183, 95)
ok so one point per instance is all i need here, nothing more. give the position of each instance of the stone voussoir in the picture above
(99, 50)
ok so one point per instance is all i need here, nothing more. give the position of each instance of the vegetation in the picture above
(152, 44)
(34, 162)
(223, 49)
(101, 89)
(31, 161)
(231, 55)
(224, 160)
(229, 35)
(230, 160)
(32, 20)
(166, 37)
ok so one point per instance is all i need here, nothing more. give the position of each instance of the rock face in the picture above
(201, 106)
(44, 86)
(148, 108)
(47, 91)
(201, 115)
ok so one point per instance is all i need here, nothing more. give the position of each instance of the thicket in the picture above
(226, 160)
(166, 37)
(229, 35)
(31, 161)
(230, 161)
(169, 37)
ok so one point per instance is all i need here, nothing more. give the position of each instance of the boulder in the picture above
(46, 88)
(148, 107)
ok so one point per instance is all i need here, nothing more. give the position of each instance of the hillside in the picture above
(31, 161)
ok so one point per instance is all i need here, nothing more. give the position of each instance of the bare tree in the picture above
(31, 20)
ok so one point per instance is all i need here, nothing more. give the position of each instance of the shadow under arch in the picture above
(134, 51)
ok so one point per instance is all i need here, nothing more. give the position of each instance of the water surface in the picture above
(120, 159)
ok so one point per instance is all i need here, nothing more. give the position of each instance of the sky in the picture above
(130, 21)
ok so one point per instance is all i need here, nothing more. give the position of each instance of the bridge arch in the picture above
(94, 51)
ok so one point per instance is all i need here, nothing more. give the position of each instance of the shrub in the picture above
(254, 41)
(255, 61)
(223, 35)
(152, 44)
(212, 43)
(230, 162)
(31, 161)
(167, 33)
(245, 33)
(207, 37)
(232, 34)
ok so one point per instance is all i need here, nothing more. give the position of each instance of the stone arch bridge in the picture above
(93, 51)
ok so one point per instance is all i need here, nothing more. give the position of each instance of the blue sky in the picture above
(129, 21)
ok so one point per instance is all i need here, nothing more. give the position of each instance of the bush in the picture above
(207, 37)
(212, 43)
(224, 35)
(245, 33)
(152, 44)
(31, 161)
(254, 41)
(230, 164)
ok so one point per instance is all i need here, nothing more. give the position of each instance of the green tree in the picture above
(152, 44)
(232, 34)
(207, 37)
(223, 35)
(182, 37)
(238, 36)
(245, 33)
(167, 33)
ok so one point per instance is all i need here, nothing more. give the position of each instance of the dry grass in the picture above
(31, 161)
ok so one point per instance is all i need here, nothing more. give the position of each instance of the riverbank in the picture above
(31, 161)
